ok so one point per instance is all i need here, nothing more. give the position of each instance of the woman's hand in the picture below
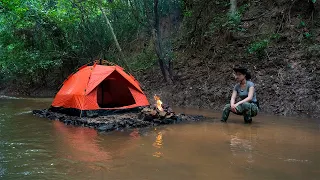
(233, 108)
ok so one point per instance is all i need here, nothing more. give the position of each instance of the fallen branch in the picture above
(254, 35)
(254, 18)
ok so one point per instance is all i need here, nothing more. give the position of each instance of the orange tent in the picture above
(96, 87)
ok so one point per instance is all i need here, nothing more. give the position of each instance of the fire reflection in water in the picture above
(158, 144)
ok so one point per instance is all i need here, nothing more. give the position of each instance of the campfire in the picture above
(157, 111)
(158, 103)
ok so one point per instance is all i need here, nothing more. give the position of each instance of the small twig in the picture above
(260, 27)
(281, 23)
(270, 59)
(280, 75)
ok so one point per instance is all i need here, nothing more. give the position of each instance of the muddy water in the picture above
(270, 148)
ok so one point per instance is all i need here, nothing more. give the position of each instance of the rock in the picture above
(67, 121)
(147, 117)
(147, 110)
(37, 112)
(168, 116)
(92, 114)
(162, 114)
(52, 117)
(122, 123)
(107, 127)
(153, 113)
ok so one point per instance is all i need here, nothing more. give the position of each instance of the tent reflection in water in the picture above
(100, 87)
(85, 145)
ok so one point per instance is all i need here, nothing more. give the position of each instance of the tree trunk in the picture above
(233, 7)
(158, 44)
(149, 17)
(115, 39)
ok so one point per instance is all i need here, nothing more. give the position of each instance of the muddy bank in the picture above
(286, 71)
(119, 121)
(207, 84)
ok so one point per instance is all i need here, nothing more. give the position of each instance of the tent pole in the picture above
(102, 93)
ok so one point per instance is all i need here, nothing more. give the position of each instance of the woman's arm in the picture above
(232, 100)
(247, 99)
(233, 97)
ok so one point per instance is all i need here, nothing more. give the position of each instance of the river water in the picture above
(270, 148)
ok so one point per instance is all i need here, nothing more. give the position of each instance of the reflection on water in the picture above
(79, 144)
(7, 97)
(270, 148)
(242, 143)
(24, 112)
(158, 144)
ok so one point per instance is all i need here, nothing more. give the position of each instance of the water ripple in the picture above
(298, 160)
(8, 97)
(24, 112)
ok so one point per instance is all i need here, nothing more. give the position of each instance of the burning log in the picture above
(158, 111)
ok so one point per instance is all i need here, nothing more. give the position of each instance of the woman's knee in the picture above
(254, 110)
(246, 106)
(227, 107)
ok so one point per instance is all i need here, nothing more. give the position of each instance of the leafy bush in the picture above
(234, 20)
(143, 60)
(258, 47)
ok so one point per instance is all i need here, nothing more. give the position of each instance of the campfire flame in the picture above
(158, 103)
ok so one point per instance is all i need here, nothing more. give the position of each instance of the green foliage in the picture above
(275, 36)
(302, 24)
(187, 13)
(307, 35)
(314, 1)
(37, 37)
(234, 20)
(143, 60)
(218, 22)
(229, 21)
(258, 47)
